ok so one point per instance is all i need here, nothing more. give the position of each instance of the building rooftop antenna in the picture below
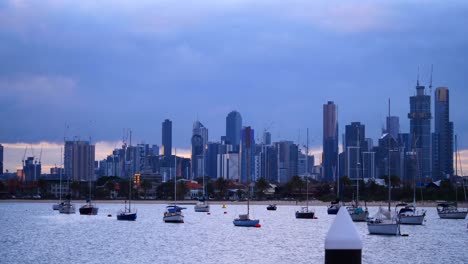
(417, 79)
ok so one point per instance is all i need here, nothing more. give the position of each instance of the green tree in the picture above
(221, 185)
(260, 186)
(75, 187)
(146, 185)
(182, 190)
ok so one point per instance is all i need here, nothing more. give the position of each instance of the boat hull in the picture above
(452, 215)
(333, 210)
(202, 208)
(89, 210)
(175, 218)
(246, 223)
(383, 229)
(67, 209)
(271, 208)
(358, 215)
(57, 206)
(127, 216)
(305, 215)
(411, 219)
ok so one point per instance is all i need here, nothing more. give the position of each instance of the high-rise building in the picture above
(393, 126)
(212, 151)
(233, 129)
(31, 170)
(79, 160)
(266, 138)
(288, 157)
(443, 136)
(167, 138)
(247, 155)
(355, 145)
(420, 128)
(1, 159)
(330, 141)
(199, 141)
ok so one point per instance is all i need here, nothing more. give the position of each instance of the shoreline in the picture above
(265, 202)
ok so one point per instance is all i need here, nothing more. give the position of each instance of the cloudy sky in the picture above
(101, 66)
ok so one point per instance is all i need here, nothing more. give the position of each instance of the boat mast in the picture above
(307, 171)
(175, 176)
(457, 159)
(388, 171)
(358, 168)
(60, 175)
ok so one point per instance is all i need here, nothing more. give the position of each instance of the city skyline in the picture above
(171, 63)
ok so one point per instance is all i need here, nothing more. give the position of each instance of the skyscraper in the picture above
(266, 138)
(330, 141)
(79, 160)
(443, 135)
(233, 129)
(420, 128)
(1, 159)
(166, 138)
(355, 145)
(247, 155)
(199, 141)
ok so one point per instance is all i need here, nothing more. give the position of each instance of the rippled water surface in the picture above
(34, 233)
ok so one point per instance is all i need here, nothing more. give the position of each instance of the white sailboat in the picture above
(202, 204)
(305, 212)
(357, 213)
(408, 214)
(58, 205)
(173, 213)
(450, 210)
(383, 223)
(67, 207)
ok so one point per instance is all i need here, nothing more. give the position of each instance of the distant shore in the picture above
(265, 202)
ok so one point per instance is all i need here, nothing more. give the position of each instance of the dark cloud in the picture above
(135, 64)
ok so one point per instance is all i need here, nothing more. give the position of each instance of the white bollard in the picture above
(343, 243)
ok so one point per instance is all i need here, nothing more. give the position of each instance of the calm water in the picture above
(34, 233)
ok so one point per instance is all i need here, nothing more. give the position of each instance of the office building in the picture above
(247, 155)
(420, 128)
(79, 160)
(233, 129)
(199, 141)
(443, 136)
(330, 141)
(166, 138)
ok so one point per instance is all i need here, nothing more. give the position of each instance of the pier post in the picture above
(343, 243)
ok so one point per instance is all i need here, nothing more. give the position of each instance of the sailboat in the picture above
(305, 212)
(449, 210)
(67, 207)
(202, 204)
(58, 205)
(355, 211)
(89, 208)
(173, 213)
(383, 223)
(127, 214)
(244, 219)
(407, 213)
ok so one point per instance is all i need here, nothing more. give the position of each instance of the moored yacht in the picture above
(67, 207)
(408, 215)
(451, 211)
(88, 209)
(383, 224)
(334, 207)
(173, 214)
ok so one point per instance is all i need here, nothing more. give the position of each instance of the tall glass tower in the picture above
(330, 141)
(167, 138)
(443, 135)
(233, 128)
(420, 129)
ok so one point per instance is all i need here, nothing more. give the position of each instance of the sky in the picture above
(91, 69)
